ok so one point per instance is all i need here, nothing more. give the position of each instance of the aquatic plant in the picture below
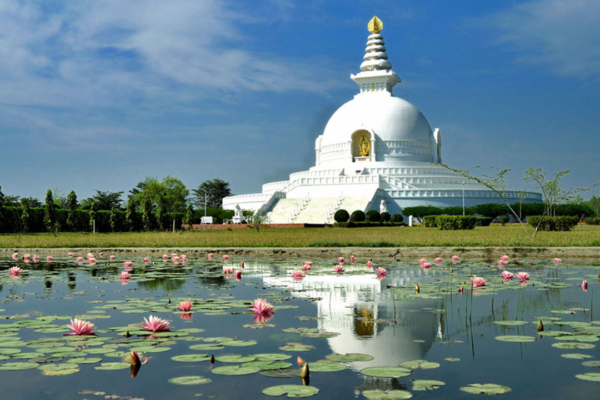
(14, 271)
(507, 276)
(438, 260)
(297, 274)
(369, 264)
(49, 258)
(156, 324)
(228, 270)
(128, 263)
(478, 281)
(124, 275)
(237, 275)
(522, 276)
(381, 271)
(261, 306)
(455, 258)
(338, 269)
(185, 305)
(80, 327)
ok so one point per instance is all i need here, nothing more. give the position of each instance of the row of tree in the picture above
(151, 205)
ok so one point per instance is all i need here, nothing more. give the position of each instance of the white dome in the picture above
(389, 118)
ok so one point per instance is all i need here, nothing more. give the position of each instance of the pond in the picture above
(419, 330)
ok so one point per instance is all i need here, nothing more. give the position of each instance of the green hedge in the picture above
(484, 221)
(592, 221)
(341, 216)
(386, 217)
(429, 221)
(396, 218)
(366, 224)
(455, 222)
(358, 216)
(373, 216)
(552, 223)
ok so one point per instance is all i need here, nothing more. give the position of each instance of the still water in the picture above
(482, 335)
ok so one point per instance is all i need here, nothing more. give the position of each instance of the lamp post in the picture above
(463, 188)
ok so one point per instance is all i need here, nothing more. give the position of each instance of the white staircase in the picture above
(283, 210)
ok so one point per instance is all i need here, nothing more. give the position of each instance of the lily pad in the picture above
(235, 358)
(424, 384)
(389, 395)
(486, 388)
(239, 343)
(190, 380)
(575, 356)
(575, 345)
(589, 376)
(112, 366)
(82, 360)
(296, 347)
(452, 359)
(60, 372)
(282, 373)
(291, 391)
(419, 364)
(326, 367)
(18, 366)
(594, 363)
(350, 357)
(272, 356)
(511, 323)
(515, 338)
(386, 372)
(191, 358)
(209, 346)
(235, 370)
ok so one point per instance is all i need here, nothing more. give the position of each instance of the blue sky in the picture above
(101, 94)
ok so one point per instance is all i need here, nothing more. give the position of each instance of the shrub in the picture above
(373, 216)
(366, 224)
(592, 221)
(358, 216)
(385, 216)
(341, 216)
(484, 221)
(503, 219)
(429, 221)
(545, 223)
(455, 222)
(397, 218)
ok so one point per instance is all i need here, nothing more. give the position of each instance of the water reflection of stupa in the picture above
(361, 310)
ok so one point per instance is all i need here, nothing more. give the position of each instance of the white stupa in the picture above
(377, 151)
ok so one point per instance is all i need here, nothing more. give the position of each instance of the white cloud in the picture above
(560, 34)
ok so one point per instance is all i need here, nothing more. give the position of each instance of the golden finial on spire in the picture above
(375, 25)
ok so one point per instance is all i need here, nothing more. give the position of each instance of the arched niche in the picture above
(363, 145)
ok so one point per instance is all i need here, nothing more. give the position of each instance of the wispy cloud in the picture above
(560, 34)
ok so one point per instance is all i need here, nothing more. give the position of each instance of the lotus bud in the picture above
(242, 265)
(212, 359)
(305, 381)
(451, 270)
(135, 365)
(169, 302)
(540, 326)
(417, 288)
(127, 334)
(305, 373)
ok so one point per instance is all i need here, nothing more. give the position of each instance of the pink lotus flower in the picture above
(90, 255)
(112, 257)
(80, 327)
(91, 261)
(14, 271)
(500, 263)
(36, 258)
(306, 267)
(70, 255)
(225, 257)
(507, 276)
(557, 261)
(338, 269)
(146, 260)
(369, 264)
(352, 259)
(165, 257)
(228, 270)
(183, 258)
(237, 275)
(173, 254)
(261, 306)
(505, 259)
(300, 361)
(340, 260)
(79, 259)
(49, 258)
(584, 286)
(438, 260)
(523, 276)
(297, 274)
(422, 261)
(381, 271)
(185, 305)
(175, 259)
(211, 256)
(15, 256)
(26, 257)
(308, 263)
(156, 324)
(477, 281)
(128, 263)
(124, 275)
(455, 258)
(426, 265)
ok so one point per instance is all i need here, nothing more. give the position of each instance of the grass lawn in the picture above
(582, 235)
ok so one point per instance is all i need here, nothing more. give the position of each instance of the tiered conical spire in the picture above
(375, 57)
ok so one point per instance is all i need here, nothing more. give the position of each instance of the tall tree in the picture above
(93, 214)
(50, 212)
(25, 215)
(161, 213)
(71, 207)
(594, 204)
(215, 191)
(2, 202)
(189, 215)
(104, 200)
(131, 216)
(113, 219)
(172, 190)
(147, 214)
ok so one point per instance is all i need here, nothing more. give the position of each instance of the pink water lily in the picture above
(156, 324)
(36, 258)
(91, 261)
(352, 259)
(165, 257)
(297, 274)
(381, 271)
(70, 255)
(300, 361)
(308, 263)
(79, 259)
(49, 258)
(237, 275)
(128, 263)
(507, 276)
(505, 258)
(80, 327)
(477, 281)
(369, 264)
(261, 306)
(438, 260)
(175, 259)
(338, 269)
(26, 256)
(340, 260)
(101, 254)
(557, 261)
(146, 260)
(14, 271)
(211, 256)
(426, 265)
(15, 256)
(584, 285)
(422, 261)
(111, 258)
(306, 267)
(455, 258)
(225, 257)
(522, 276)
(228, 270)
(183, 258)
(185, 305)
(124, 275)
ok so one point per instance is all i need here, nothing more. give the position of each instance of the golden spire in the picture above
(375, 25)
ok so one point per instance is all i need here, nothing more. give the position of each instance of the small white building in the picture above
(377, 151)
